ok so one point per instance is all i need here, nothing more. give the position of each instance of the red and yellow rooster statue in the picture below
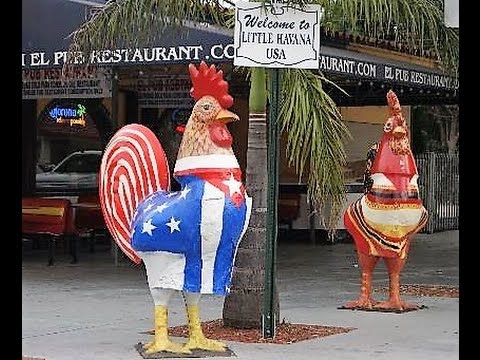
(383, 221)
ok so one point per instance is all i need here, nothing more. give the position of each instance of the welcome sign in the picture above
(276, 35)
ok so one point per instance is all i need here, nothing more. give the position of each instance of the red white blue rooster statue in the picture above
(186, 239)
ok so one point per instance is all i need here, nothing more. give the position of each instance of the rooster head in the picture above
(206, 131)
(208, 113)
(395, 128)
(394, 155)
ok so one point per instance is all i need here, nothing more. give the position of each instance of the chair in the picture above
(52, 217)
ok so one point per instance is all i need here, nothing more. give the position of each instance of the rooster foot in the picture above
(363, 302)
(203, 343)
(396, 305)
(168, 346)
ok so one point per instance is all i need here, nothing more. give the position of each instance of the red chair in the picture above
(47, 216)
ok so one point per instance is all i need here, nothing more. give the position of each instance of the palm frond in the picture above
(135, 22)
(417, 23)
(315, 138)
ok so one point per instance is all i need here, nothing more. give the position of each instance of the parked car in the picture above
(75, 179)
(75, 174)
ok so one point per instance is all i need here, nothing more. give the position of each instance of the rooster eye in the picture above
(206, 107)
(388, 126)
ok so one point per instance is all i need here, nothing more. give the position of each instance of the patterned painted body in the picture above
(382, 220)
(200, 225)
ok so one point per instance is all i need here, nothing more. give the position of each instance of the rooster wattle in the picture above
(186, 239)
(383, 221)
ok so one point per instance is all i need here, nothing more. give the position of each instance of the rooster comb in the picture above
(208, 81)
(393, 104)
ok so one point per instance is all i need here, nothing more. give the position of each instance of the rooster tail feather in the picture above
(133, 166)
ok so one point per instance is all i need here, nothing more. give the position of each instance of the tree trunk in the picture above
(243, 306)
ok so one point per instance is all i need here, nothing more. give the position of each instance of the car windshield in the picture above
(80, 163)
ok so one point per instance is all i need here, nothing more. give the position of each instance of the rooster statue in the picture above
(186, 239)
(383, 221)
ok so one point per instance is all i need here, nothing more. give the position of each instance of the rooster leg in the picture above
(367, 264)
(197, 339)
(161, 341)
(395, 266)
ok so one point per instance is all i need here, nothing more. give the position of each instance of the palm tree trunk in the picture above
(243, 306)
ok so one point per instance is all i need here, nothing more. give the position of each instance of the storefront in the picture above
(150, 85)
(79, 110)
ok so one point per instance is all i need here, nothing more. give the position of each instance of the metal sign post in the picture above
(279, 35)
(268, 318)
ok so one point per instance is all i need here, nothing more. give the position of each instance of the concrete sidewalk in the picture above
(95, 310)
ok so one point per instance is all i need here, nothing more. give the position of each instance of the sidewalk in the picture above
(95, 310)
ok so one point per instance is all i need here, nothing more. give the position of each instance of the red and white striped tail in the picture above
(133, 166)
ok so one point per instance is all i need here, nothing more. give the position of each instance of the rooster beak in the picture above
(226, 116)
(399, 131)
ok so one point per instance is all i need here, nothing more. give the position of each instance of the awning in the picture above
(46, 25)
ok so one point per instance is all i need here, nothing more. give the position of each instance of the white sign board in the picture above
(79, 82)
(164, 91)
(278, 36)
(451, 13)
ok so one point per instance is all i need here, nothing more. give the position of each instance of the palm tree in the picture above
(310, 118)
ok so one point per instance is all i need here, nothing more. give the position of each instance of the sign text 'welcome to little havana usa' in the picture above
(284, 36)
(276, 35)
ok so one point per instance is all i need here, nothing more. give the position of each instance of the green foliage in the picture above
(315, 138)
(141, 22)
(416, 23)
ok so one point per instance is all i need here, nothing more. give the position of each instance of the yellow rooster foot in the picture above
(396, 305)
(203, 343)
(166, 345)
(363, 302)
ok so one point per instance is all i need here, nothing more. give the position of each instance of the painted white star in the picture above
(173, 225)
(184, 193)
(162, 207)
(148, 227)
(172, 194)
(233, 185)
(149, 206)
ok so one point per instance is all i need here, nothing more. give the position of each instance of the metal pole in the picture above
(268, 318)
(115, 128)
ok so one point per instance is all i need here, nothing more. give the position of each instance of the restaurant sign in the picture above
(70, 114)
(164, 91)
(78, 82)
(46, 82)
(386, 72)
(131, 56)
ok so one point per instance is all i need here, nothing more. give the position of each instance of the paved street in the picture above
(95, 310)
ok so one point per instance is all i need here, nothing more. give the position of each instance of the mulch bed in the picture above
(426, 290)
(286, 333)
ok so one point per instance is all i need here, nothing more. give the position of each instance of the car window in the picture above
(81, 163)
